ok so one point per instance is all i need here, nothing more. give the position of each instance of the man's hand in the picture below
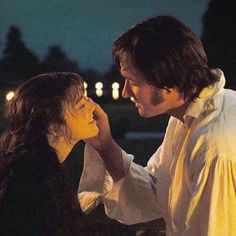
(107, 148)
(104, 138)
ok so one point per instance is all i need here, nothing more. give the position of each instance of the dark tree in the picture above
(113, 75)
(18, 63)
(57, 60)
(91, 76)
(219, 38)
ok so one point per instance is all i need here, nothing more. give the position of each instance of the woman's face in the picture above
(80, 121)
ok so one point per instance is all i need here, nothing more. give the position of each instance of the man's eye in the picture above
(133, 84)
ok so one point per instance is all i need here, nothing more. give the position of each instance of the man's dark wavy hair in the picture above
(37, 104)
(168, 54)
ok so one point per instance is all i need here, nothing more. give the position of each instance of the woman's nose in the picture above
(91, 105)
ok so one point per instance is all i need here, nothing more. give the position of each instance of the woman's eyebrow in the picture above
(82, 97)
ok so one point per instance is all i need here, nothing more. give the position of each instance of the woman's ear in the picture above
(55, 133)
(52, 130)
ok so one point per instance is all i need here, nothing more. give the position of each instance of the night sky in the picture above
(86, 29)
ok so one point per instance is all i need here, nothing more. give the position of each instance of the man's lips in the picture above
(132, 99)
(136, 103)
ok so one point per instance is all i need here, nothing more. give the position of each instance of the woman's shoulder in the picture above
(25, 196)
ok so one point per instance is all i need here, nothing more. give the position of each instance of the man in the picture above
(190, 180)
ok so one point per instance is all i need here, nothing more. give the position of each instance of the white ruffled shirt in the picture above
(190, 180)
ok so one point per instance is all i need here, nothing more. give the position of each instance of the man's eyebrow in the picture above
(127, 77)
(133, 80)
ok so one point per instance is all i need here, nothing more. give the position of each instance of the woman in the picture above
(47, 116)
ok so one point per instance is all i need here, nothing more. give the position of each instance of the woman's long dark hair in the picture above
(38, 104)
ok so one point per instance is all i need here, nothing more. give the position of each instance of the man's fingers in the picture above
(99, 112)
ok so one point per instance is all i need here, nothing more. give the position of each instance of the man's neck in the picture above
(179, 111)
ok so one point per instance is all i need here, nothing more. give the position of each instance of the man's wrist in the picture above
(110, 147)
(112, 158)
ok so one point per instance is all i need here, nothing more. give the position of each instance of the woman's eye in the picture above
(81, 106)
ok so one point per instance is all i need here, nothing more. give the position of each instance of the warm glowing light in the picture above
(115, 85)
(115, 90)
(99, 85)
(132, 99)
(85, 89)
(99, 92)
(115, 94)
(10, 95)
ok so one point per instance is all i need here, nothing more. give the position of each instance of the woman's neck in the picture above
(61, 146)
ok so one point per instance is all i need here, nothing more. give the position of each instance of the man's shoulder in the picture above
(230, 97)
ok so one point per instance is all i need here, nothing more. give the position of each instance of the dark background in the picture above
(85, 29)
(18, 63)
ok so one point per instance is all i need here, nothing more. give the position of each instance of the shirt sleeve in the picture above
(131, 200)
(213, 202)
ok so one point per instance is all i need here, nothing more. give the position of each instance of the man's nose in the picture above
(126, 92)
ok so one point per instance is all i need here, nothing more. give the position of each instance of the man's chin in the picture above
(142, 113)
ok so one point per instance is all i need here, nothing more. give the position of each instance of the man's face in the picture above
(149, 100)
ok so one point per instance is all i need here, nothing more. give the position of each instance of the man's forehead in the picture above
(125, 63)
(127, 67)
(128, 73)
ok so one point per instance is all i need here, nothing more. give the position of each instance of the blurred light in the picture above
(99, 92)
(115, 94)
(99, 85)
(85, 89)
(115, 85)
(115, 90)
(10, 95)
(132, 99)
